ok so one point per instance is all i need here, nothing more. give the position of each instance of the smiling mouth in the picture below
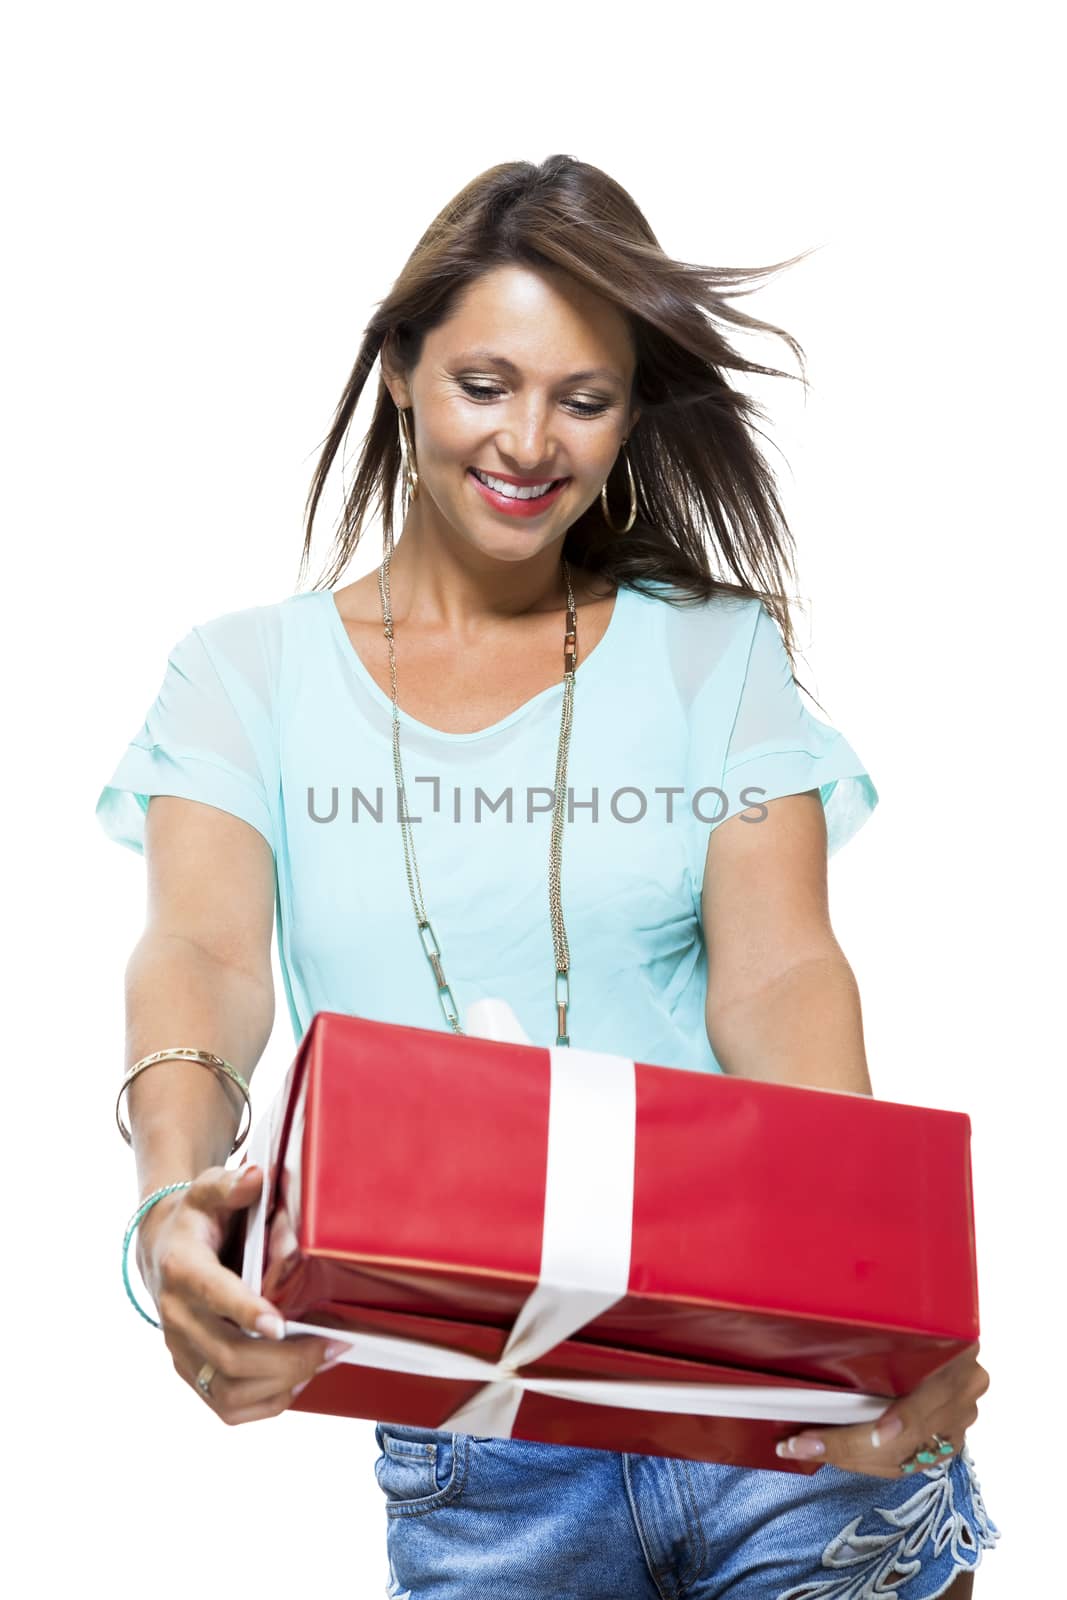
(516, 491)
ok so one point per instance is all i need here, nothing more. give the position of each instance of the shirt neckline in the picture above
(581, 674)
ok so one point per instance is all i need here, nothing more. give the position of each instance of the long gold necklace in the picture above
(555, 852)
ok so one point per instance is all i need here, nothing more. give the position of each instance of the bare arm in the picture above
(782, 1001)
(199, 975)
(783, 1006)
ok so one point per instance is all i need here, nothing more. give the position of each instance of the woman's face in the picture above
(529, 379)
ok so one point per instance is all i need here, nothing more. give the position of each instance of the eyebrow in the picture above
(490, 358)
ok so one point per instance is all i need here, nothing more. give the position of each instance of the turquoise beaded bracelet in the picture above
(145, 1205)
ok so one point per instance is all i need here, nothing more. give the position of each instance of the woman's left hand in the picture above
(946, 1403)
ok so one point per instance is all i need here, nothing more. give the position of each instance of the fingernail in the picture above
(301, 1387)
(799, 1446)
(271, 1325)
(886, 1430)
(332, 1353)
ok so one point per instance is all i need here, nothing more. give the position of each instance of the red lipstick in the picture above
(507, 477)
(511, 507)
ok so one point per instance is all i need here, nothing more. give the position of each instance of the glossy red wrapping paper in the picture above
(781, 1236)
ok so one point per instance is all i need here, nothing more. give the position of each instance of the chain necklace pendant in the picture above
(555, 854)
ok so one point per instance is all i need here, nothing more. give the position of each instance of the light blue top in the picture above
(269, 713)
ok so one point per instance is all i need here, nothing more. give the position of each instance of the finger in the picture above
(902, 1465)
(224, 1394)
(272, 1408)
(229, 1395)
(950, 1377)
(929, 1454)
(889, 1466)
(845, 1445)
(225, 1189)
(901, 1428)
(948, 1409)
(293, 1361)
(189, 1267)
(901, 1432)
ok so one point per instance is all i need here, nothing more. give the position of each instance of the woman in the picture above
(553, 399)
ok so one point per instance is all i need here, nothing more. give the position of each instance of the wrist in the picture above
(150, 1224)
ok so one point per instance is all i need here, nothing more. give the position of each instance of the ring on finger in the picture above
(204, 1377)
(924, 1458)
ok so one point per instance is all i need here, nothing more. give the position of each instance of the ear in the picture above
(634, 414)
(392, 377)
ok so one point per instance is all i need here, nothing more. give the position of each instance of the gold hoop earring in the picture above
(407, 453)
(633, 498)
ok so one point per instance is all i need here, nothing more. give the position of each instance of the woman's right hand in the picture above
(178, 1244)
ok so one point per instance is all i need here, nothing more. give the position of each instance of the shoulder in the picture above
(241, 650)
(234, 629)
(704, 639)
(724, 613)
(252, 636)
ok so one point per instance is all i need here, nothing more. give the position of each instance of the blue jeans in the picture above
(505, 1519)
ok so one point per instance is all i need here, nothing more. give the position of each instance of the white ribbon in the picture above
(585, 1266)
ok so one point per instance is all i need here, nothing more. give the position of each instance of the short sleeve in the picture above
(207, 735)
(774, 745)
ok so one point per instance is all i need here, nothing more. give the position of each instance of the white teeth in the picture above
(512, 490)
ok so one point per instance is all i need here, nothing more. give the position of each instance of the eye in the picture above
(481, 391)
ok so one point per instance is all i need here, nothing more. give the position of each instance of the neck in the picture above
(446, 583)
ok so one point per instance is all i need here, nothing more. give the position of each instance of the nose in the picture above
(525, 439)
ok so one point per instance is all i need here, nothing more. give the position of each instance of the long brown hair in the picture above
(700, 476)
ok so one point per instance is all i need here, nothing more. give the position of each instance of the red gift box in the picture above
(562, 1245)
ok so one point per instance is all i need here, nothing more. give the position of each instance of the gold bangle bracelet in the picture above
(186, 1053)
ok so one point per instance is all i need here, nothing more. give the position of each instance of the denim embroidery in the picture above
(881, 1563)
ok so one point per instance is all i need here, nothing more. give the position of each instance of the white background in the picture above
(203, 205)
